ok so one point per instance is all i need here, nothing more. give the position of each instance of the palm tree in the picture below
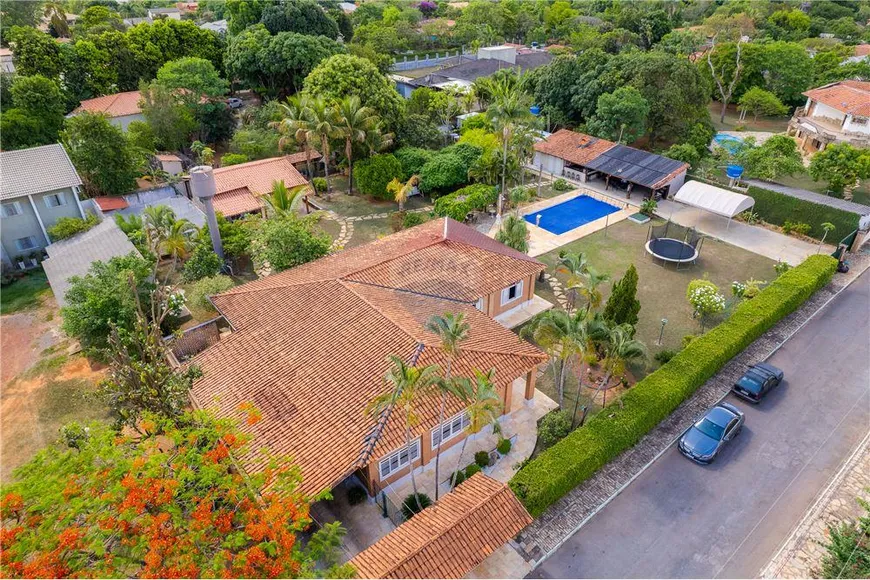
(294, 127)
(451, 329)
(402, 191)
(322, 125)
(408, 384)
(353, 124)
(282, 200)
(379, 139)
(169, 235)
(510, 105)
(514, 233)
(620, 349)
(828, 227)
(562, 335)
(574, 265)
(589, 286)
(482, 404)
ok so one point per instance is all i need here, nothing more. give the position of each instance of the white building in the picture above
(121, 108)
(835, 113)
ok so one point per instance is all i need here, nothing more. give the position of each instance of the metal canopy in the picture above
(713, 199)
(636, 166)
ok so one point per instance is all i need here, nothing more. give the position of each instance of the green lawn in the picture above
(368, 231)
(767, 124)
(661, 290)
(24, 293)
(804, 181)
(359, 205)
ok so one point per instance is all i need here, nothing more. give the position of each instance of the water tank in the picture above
(535, 110)
(202, 183)
(734, 171)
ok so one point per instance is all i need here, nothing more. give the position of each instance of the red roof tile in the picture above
(258, 176)
(117, 105)
(297, 158)
(110, 203)
(572, 146)
(236, 202)
(851, 97)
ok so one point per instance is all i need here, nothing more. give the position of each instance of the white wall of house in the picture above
(676, 184)
(857, 124)
(823, 110)
(124, 121)
(551, 164)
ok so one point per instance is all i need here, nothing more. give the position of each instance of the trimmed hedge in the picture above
(574, 459)
(470, 198)
(776, 208)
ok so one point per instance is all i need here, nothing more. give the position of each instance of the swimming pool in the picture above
(728, 142)
(571, 214)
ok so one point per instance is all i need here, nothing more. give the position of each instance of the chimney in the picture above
(203, 186)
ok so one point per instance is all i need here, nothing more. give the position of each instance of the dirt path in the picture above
(24, 335)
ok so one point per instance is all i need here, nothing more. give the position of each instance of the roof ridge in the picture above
(368, 303)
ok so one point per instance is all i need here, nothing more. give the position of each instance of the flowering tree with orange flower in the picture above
(168, 502)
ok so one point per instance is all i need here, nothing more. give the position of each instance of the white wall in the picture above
(823, 110)
(551, 164)
(850, 125)
(124, 121)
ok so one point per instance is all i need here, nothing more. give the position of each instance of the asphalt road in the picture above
(727, 520)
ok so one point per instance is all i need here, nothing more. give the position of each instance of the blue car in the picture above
(706, 438)
(757, 381)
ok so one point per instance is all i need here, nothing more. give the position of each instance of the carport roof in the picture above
(636, 166)
(713, 199)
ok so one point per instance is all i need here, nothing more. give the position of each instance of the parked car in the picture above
(705, 439)
(757, 381)
(235, 103)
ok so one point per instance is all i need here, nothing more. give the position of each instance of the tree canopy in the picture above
(101, 153)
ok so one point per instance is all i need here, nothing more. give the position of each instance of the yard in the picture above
(24, 293)
(767, 124)
(358, 205)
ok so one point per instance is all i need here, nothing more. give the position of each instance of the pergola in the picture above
(714, 199)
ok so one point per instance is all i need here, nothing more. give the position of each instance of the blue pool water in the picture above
(729, 142)
(571, 214)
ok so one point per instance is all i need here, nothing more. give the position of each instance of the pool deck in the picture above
(541, 241)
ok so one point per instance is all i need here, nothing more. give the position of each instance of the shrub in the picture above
(469, 198)
(798, 228)
(412, 160)
(562, 185)
(471, 470)
(319, 184)
(233, 159)
(442, 174)
(554, 427)
(413, 218)
(373, 174)
(356, 495)
(479, 121)
(414, 504)
(287, 242)
(199, 291)
(664, 356)
(504, 446)
(648, 207)
(201, 264)
(457, 477)
(776, 208)
(578, 456)
(481, 458)
(67, 227)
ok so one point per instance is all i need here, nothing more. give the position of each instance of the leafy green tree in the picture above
(23, 14)
(682, 42)
(418, 131)
(412, 160)
(300, 16)
(789, 24)
(568, 88)
(20, 130)
(623, 306)
(841, 165)
(101, 153)
(153, 45)
(757, 101)
(203, 263)
(96, 20)
(789, 71)
(39, 107)
(235, 237)
(101, 300)
(375, 173)
(684, 152)
(194, 77)
(171, 121)
(514, 233)
(342, 75)
(243, 13)
(848, 549)
(620, 115)
(165, 501)
(776, 157)
(35, 53)
(443, 173)
(287, 242)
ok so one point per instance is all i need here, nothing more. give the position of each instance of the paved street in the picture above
(726, 520)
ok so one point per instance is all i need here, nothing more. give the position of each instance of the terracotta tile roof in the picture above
(167, 157)
(111, 203)
(117, 105)
(310, 349)
(258, 176)
(851, 97)
(572, 146)
(862, 50)
(450, 538)
(296, 158)
(236, 202)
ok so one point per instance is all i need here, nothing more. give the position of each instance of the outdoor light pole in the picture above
(662, 331)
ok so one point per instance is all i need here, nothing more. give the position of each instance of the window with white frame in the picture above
(399, 459)
(449, 429)
(479, 304)
(512, 293)
(11, 209)
(55, 199)
(27, 243)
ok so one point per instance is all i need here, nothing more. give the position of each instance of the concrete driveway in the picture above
(727, 520)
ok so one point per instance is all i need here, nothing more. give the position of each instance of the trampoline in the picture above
(664, 244)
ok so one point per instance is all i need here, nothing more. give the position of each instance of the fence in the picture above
(427, 61)
(389, 508)
(195, 340)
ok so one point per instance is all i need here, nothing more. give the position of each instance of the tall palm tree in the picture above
(452, 330)
(353, 124)
(510, 106)
(294, 127)
(169, 235)
(408, 384)
(322, 126)
(620, 349)
(379, 139)
(562, 335)
(284, 201)
(590, 286)
(574, 266)
(402, 191)
(483, 405)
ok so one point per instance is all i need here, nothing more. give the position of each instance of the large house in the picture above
(835, 113)
(309, 348)
(39, 186)
(121, 108)
(586, 158)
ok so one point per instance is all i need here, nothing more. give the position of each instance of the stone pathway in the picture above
(567, 515)
(346, 223)
(558, 290)
(802, 553)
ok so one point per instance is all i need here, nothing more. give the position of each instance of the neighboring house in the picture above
(170, 163)
(121, 108)
(835, 113)
(74, 256)
(347, 7)
(137, 203)
(860, 54)
(584, 158)
(218, 26)
(309, 348)
(7, 64)
(174, 13)
(134, 21)
(39, 186)
(451, 538)
(239, 187)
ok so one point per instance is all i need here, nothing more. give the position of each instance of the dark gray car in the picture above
(757, 381)
(705, 439)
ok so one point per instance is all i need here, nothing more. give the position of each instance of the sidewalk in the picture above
(566, 516)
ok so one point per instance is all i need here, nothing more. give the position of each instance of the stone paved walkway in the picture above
(802, 553)
(346, 223)
(566, 516)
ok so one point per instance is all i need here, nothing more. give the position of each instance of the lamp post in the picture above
(662, 331)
